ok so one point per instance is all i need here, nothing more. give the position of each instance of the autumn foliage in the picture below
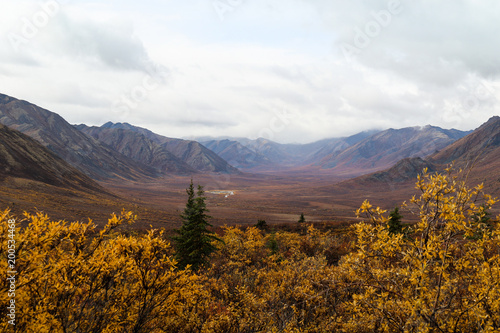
(441, 275)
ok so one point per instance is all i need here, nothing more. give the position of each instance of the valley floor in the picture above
(273, 198)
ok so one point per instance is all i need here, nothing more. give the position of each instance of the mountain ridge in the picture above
(24, 157)
(192, 153)
(479, 152)
(361, 153)
(81, 151)
(139, 148)
(384, 149)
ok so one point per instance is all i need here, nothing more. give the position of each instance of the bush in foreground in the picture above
(444, 276)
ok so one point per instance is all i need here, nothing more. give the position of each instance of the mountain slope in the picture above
(236, 154)
(139, 148)
(478, 153)
(386, 148)
(483, 144)
(23, 157)
(405, 170)
(86, 154)
(266, 155)
(192, 153)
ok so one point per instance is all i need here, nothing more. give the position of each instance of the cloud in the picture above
(113, 43)
(425, 41)
(271, 67)
(61, 29)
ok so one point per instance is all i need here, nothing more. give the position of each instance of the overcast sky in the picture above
(287, 70)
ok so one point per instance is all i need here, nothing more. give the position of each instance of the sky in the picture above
(293, 71)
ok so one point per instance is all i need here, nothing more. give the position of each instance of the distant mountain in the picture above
(194, 154)
(333, 147)
(384, 149)
(478, 153)
(23, 157)
(78, 149)
(138, 147)
(266, 155)
(236, 154)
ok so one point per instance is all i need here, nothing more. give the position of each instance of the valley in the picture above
(277, 199)
(79, 171)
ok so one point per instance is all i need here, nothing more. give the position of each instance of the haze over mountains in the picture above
(262, 154)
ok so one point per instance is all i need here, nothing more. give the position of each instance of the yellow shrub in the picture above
(438, 280)
(70, 279)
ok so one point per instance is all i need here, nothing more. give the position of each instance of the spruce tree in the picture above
(194, 241)
(302, 219)
(394, 224)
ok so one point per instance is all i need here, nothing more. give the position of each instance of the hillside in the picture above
(478, 153)
(23, 157)
(138, 147)
(190, 152)
(236, 154)
(482, 144)
(78, 149)
(33, 178)
(384, 149)
(266, 155)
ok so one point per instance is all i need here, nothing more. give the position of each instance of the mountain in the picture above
(406, 169)
(24, 157)
(236, 154)
(333, 147)
(192, 153)
(138, 147)
(481, 146)
(78, 149)
(382, 150)
(478, 153)
(266, 155)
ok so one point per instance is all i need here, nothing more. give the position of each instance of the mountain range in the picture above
(88, 155)
(124, 151)
(382, 150)
(265, 155)
(478, 152)
(41, 152)
(166, 155)
(350, 156)
(114, 151)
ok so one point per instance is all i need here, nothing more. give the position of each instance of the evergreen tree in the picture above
(261, 224)
(194, 241)
(394, 224)
(302, 219)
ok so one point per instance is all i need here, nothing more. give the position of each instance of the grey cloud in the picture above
(73, 94)
(113, 44)
(426, 41)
